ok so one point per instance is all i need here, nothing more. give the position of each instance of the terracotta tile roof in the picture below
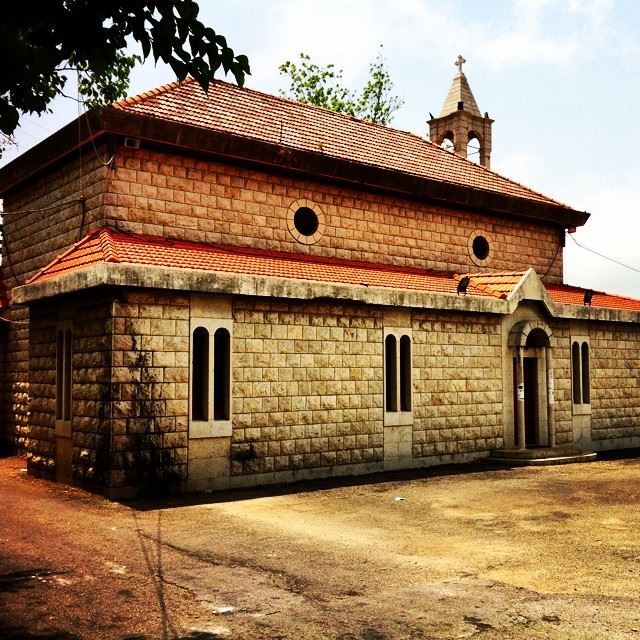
(566, 294)
(107, 245)
(499, 285)
(255, 115)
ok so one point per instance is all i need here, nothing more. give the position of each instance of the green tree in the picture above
(40, 43)
(322, 86)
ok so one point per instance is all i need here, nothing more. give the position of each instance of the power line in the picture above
(60, 205)
(601, 255)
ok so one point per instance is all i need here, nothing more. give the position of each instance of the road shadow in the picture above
(9, 632)
(13, 581)
(310, 486)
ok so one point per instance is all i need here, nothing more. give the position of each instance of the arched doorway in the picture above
(530, 341)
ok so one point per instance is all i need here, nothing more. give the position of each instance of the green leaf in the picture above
(322, 86)
(179, 68)
(35, 47)
(9, 117)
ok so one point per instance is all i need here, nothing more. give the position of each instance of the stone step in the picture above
(540, 456)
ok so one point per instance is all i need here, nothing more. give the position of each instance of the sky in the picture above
(561, 79)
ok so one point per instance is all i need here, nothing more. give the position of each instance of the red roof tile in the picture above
(566, 294)
(255, 115)
(106, 245)
(499, 285)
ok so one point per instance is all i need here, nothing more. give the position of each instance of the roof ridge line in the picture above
(108, 245)
(63, 255)
(489, 287)
(150, 93)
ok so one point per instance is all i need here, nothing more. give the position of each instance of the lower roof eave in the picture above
(580, 312)
(193, 280)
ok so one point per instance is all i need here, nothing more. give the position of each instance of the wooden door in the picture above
(530, 371)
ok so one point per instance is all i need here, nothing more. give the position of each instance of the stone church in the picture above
(205, 291)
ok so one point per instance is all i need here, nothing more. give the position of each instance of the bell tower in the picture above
(460, 122)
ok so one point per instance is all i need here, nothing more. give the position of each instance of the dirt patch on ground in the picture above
(472, 552)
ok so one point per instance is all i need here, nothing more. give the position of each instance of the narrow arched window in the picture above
(405, 373)
(397, 377)
(391, 373)
(576, 377)
(64, 385)
(221, 374)
(210, 388)
(59, 374)
(580, 377)
(68, 343)
(200, 375)
(584, 362)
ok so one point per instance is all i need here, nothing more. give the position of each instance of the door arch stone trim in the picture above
(521, 331)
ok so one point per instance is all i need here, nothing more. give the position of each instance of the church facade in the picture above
(216, 290)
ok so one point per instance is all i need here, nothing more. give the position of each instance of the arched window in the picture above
(210, 385)
(576, 376)
(64, 355)
(200, 375)
(221, 374)
(580, 378)
(391, 373)
(586, 386)
(405, 373)
(397, 376)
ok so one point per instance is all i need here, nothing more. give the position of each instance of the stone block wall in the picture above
(458, 390)
(307, 392)
(41, 222)
(150, 391)
(183, 197)
(51, 215)
(14, 395)
(91, 366)
(130, 390)
(38, 438)
(192, 199)
(307, 388)
(615, 382)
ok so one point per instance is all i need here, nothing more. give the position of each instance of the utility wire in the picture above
(601, 255)
(555, 255)
(39, 209)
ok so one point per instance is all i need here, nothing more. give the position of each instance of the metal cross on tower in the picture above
(459, 62)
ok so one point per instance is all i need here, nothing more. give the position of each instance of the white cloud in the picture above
(553, 32)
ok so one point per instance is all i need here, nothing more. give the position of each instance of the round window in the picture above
(306, 222)
(480, 247)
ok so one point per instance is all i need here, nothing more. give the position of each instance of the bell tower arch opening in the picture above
(474, 147)
(447, 142)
